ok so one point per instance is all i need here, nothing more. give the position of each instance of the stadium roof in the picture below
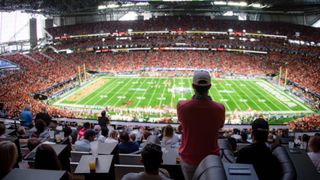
(69, 7)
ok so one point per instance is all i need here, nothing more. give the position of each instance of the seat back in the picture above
(226, 152)
(130, 159)
(210, 167)
(288, 169)
(76, 155)
(123, 169)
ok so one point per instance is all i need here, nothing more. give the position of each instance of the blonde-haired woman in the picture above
(8, 157)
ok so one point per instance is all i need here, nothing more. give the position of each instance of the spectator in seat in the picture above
(8, 157)
(169, 137)
(42, 132)
(113, 137)
(103, 120)
(200, 118)
(314, 154)
(44, 116)
(258, 154)
(104, 134)
(2, 130)
(151, 159)
(127, 146)
(26, 117)
(84, 144)
(81, 132)
(3, 112)
(46, 158)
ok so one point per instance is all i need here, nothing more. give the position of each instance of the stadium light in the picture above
(142, 4)
(220, 3)
(101, 7)
(110, 6)
(129, 4)
(241, 4)
(257, 5)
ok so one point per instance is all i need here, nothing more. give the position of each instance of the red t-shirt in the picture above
(81, 133)
(200, 121)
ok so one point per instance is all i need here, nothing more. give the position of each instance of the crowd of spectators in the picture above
(137, 139)
(34, 76)
(310, 123)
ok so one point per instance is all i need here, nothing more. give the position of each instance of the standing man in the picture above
(200, 119)
(103, 120)
(44, 116)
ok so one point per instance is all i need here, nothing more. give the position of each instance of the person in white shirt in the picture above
(169, 137)
(113, 137)
(103, 135)
(314, 154)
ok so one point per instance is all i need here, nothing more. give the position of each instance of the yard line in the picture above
(164, 88)
(271, 98)
(261, 109)
(72, 92)
(154, 91)
(135, 92)
(288, 96)
(106, 103)
(221, 97)
(143, 95)
(108, 90)
(126, 88)
(222, 84)
(182, 85)
(87, 102)
(240, 97)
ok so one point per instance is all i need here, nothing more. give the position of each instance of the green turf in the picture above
(236, 94)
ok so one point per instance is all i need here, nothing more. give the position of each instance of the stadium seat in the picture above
(123, 169)
(226, 152)
(76, 155)
(288, 169)
(210, 167)
(130, 159)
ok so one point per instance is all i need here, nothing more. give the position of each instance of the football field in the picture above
(241, 95)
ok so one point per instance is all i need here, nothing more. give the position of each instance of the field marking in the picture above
(154, 92)
(276, 99)
(70, 93)
(162, 94)
(148, 87)
(275, 102)
(249, 91)
(221, 97)
(271, 99)
(119, 90)
(235, 86)
(102, 91)
(288, 96)
(93, 96)
(239, 108)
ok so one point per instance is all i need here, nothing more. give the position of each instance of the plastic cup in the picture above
(58, 138)
(92, 165)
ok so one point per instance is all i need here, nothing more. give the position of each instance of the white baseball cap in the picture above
(201, 78)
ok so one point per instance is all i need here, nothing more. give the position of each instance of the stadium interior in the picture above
(116, 72)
